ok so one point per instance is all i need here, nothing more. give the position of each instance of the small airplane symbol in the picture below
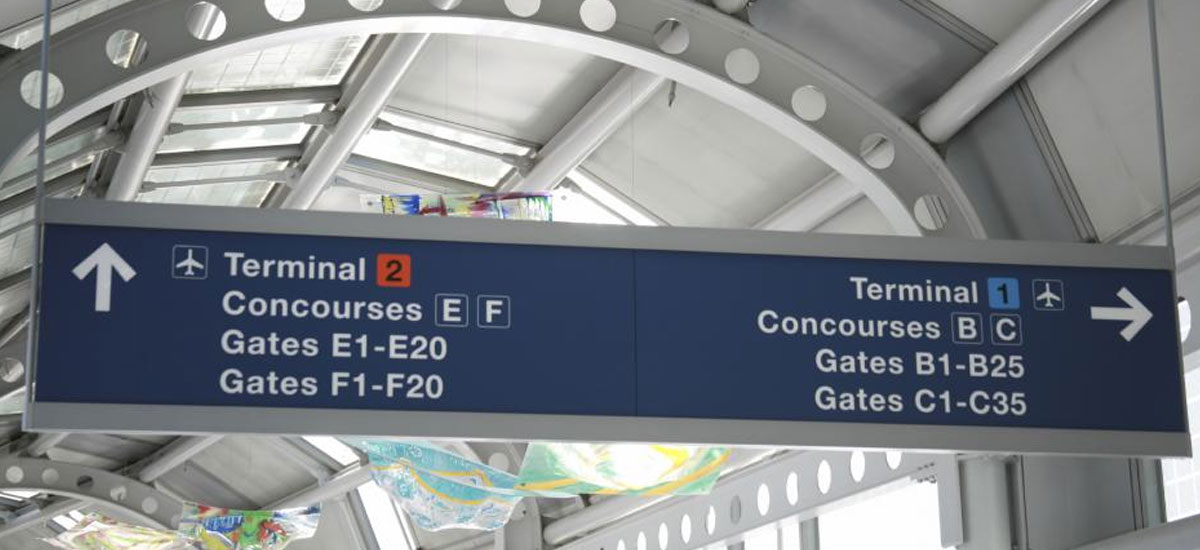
(1048, 298)
(189, 264)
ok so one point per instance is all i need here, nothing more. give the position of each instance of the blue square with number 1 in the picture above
(1003, 293)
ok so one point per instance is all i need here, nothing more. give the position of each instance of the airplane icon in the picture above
(189, 262)
(1048, 295)
(190, 265)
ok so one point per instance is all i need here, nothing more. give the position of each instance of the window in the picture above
(904, 519)
(1181, 477)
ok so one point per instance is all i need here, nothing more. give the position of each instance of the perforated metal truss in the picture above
(138, 500)
(682, 40)
(785, 490)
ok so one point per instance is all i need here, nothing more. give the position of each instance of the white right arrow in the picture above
(1136, 314)
(104, 260)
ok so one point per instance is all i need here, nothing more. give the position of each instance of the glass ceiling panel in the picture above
(29, 33)
(303, 64)
(244, 194)
(432, 157)
(212, 171)
(51, 173)
(235, 138)
(248, 195)
(213, 115)
(56, 151)
(444, 130)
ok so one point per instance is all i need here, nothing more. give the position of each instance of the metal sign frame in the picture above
(46, 416)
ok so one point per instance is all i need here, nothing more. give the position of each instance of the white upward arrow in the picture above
(1136, 314)
(104, 261)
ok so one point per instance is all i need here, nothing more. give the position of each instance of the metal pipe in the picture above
(260, 98)
(44, 442)
(511, 160)
(814, 206)
(611, 107)
(359, 117)
(173, 454)
(145, 137)
(229, 156)
(608, 511)
(1039, 35)
(1183, 534)
(342, 482)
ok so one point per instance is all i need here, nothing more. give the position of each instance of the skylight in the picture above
(599, 192)
(19, 494)
(387, 523)
(338, 451)
(64, 521)
(573, 206)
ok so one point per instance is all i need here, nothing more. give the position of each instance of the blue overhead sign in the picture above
(173, 318)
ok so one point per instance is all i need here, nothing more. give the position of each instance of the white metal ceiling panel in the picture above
(513, 88)
(995, 19)
(701, 163)
(1096, 96)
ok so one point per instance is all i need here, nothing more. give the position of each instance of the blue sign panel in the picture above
(150, 316)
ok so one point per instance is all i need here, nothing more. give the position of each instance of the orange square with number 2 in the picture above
(394, 270)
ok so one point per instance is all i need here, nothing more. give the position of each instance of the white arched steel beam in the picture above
(689, 43)
(138, 500)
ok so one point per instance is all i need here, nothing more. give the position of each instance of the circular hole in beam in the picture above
(445, 5)
(598, 15)
(205, 21)
(735, 510)
(14, 474)
(930, 213)
(641, 541)
(824, 477)
(809, 103)
(792, 488)
(118, 493)
(710, 520)
(858, 466)
(31, 90)
(742, 66)
(149, 505)
(764, 499)
(125, 48)
(685, 528)
(50, 476)
(285, 10)
(84, 483)
(877, 151)
(366, 5)
(894, 458)
(523, 8)
(672, 36)
(664, 536)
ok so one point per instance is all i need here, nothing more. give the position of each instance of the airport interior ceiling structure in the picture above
(1066, 153)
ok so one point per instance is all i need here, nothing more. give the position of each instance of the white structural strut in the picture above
(618, 100)
(175, 453)
(1181, 534)
(342, 482)
(145, 137)
(172, 455)
(613, 509)
(820, 202)
(361, 114)
(1053, 23)
(814, 206)
(44, 442)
